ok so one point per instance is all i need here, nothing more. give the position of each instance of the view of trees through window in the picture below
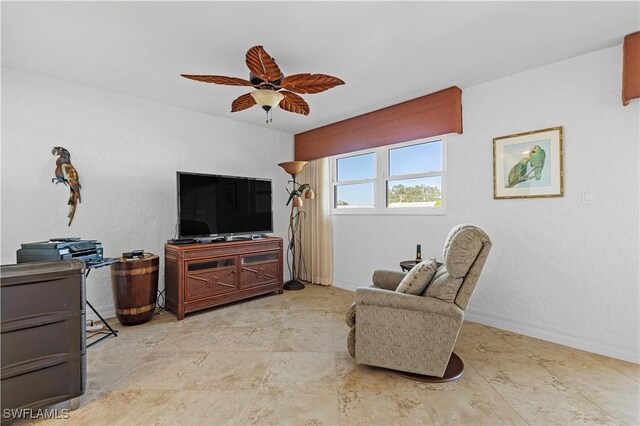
(400, 194)
(424, 194)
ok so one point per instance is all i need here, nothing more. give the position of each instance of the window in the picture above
(397, 179)
(356, 175)
(415, 176)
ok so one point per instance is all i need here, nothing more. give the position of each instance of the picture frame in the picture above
(528, 165)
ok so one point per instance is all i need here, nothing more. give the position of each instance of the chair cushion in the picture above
(443, 286)
(418, 278)
(462, 248)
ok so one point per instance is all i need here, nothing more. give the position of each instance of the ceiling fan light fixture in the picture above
(267, 98)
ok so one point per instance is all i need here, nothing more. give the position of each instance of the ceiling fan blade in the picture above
(262, 65)
(219, 79)
(294, 103)
(243, 102)
(310, 83)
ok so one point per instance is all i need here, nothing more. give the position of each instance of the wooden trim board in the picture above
(435, 114)
(631, 68)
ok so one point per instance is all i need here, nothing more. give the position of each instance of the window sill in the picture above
(390, 212)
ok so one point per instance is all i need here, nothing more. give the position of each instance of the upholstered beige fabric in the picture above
(350, 319)
(473, 273)
(440, 272)
(461, 248)
(379, 297)
(389, 280)
(417, 338)
(351, 342)
(418, 278)
(445, 287)
(417, 333)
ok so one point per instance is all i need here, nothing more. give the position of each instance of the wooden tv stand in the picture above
(200, 276)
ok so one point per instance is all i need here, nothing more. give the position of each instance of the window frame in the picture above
(382, 176)
(335, 182)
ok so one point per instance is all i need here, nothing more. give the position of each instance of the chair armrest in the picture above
(388, 280)
(391, 299)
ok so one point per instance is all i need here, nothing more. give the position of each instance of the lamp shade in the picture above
(266, 97)
(309, 194)
(293, 167)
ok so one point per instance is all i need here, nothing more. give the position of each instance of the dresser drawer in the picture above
(43, 387)
(61, 297)
(59, 338)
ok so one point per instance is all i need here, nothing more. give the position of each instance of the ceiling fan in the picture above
(271, 86)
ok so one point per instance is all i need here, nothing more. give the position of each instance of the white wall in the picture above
(126, 151)
(559, 270)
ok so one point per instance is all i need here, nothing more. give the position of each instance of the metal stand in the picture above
(112, 332)
(294, 225)
(293, 285)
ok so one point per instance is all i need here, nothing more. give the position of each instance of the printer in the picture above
(89, 251)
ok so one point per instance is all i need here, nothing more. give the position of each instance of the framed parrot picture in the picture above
(528, 165)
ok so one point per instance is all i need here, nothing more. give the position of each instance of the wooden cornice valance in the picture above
(435, 114)
(631, 68)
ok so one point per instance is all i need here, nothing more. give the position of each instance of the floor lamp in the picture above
(295, 199)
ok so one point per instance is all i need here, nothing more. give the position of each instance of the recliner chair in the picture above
(416, 334)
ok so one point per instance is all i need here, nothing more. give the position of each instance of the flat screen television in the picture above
(216, 206)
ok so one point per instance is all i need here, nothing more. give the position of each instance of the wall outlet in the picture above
(587, 197)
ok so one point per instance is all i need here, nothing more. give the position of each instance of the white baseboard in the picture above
(344, 286)
(554, 335)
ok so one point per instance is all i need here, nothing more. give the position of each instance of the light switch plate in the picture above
(587, 197)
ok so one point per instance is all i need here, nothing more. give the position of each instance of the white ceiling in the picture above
(386, 52)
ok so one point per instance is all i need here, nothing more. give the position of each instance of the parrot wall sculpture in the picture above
(67, 174)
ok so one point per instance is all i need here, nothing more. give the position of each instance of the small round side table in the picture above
(406, 265)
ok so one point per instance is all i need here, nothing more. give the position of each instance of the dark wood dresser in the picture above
(43, 334)
(200, 276)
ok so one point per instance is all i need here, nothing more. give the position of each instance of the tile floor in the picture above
(281, 359)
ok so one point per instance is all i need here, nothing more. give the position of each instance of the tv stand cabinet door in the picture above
(259, 269)
(211, 277)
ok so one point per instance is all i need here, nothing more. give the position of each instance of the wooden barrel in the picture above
(135, 286)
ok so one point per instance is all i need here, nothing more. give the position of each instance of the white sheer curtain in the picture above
(316, 238)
